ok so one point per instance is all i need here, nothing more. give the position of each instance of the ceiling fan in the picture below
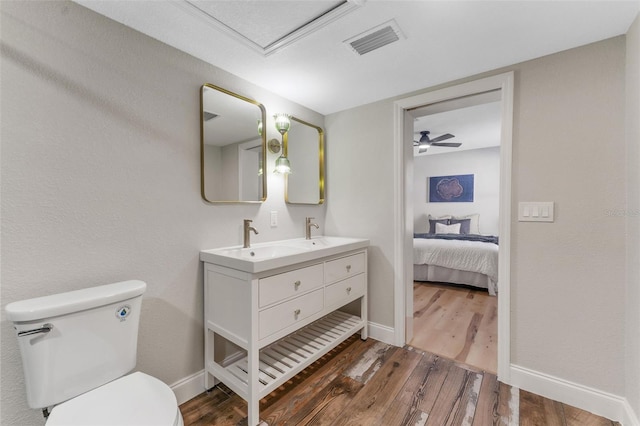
(424, 143)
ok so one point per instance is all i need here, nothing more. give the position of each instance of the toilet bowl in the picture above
(78, 350)
(135, 399)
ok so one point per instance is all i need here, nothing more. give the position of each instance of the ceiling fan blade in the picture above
(443, 137)
(448, 144)
(416, 143)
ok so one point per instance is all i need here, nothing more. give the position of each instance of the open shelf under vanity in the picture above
(285, 358)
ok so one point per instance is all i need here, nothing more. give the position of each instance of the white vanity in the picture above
(274, 308)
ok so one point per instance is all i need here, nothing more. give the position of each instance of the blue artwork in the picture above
(451, 189)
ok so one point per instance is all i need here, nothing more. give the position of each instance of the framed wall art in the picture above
(450, 189)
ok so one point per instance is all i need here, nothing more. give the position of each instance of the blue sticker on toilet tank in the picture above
(123, 312)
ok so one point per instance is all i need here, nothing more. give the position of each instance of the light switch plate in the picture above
(535, 211)
(274, 218)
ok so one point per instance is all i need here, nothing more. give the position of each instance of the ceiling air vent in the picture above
(375, 38)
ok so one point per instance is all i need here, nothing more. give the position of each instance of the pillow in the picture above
(447, 229)
(465, 225)
(448, 216)
(433, 222)
(474, 227)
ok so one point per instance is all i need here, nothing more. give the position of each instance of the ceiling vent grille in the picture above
(375, 38)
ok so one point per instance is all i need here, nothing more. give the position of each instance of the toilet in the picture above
(78, 349)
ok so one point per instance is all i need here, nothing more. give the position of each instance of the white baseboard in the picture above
(604, 404)
(381, 332)
(192, 386)
(630, 417)
(189, 387)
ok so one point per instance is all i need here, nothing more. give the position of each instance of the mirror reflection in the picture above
(232, 147)
(305, 150)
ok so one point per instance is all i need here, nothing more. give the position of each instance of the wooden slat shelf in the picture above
(288, 356)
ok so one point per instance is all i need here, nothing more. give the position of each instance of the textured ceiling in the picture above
(444, 40)
(475, 126)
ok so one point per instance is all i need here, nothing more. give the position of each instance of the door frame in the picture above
(403, 208)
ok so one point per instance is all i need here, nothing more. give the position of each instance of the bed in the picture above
(456, 258)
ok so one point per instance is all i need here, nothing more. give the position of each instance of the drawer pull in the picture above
(348, 290)
(348, 268)
(296, 285)
(296, 313)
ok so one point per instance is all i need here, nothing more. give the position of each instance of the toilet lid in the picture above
(135, 399)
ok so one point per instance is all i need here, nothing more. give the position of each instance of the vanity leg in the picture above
(253, 403)
(364, 333)
(254, 413)
(208, 384)
(209, 380)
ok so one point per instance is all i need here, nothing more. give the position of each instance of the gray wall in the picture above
(633, 217)
(360, 193)
(568, 277)
(101, 179)
(483, 163)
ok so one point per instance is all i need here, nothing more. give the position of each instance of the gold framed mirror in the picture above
(232, 147)
(304, 145)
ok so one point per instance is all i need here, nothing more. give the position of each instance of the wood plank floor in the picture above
(460, 323)
(369, 383)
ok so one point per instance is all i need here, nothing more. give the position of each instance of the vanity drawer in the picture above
(344, 267)
(345, 291)
(282, 286)
(288, 313)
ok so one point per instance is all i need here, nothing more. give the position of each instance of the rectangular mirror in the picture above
(305, 150)
(232, 148)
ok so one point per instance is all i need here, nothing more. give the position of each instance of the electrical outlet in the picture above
(274, 218)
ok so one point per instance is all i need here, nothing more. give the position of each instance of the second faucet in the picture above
(247, 236)
(308, 226)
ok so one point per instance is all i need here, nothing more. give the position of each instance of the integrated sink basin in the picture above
(260, 252)
(264, 256)
(316, 243)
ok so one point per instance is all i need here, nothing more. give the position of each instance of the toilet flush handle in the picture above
(44, 329)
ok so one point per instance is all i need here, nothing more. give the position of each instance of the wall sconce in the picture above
(274, 146)
(283, 122)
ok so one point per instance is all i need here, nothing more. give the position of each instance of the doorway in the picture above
(403, 206)
(454, 295)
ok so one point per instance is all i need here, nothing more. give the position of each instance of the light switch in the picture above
(274, 218)
(535, 211)
(545, 211)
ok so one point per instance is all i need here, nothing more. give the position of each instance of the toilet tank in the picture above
(93, 339)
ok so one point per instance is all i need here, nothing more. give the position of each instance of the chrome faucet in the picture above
(308, 226)
(247, 229)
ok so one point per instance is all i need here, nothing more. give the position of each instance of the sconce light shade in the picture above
(282, 165)
(283, 122)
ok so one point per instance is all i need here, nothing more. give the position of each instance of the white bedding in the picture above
(472, 256)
